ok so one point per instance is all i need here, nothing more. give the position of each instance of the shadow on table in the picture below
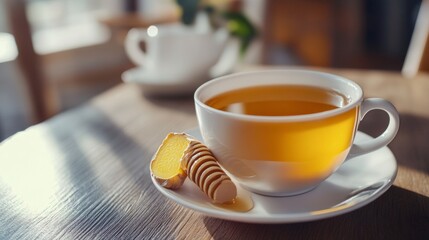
(90, 204)
(96, 127)
(398, 214)
(97, 203)
(410, 146)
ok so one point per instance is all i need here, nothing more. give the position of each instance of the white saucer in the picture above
(157, 83)
(359, 181)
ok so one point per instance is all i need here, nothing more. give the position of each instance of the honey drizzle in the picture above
(242, 203)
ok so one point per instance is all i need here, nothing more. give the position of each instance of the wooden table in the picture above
(85, 173)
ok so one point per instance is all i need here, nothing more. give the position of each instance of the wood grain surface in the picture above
(84, 174)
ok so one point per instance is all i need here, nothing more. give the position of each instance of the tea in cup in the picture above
(282, 132)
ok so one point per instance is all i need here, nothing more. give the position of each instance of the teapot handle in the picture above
(132, 48)
(227, 60)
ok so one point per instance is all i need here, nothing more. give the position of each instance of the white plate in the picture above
(357, 182)
(155, 83)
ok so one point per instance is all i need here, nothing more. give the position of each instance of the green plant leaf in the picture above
(241, 27)
(236, 22)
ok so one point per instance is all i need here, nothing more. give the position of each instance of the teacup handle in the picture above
(132, 48)
(387, 136)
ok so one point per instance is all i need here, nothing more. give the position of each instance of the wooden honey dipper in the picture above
(203, 169)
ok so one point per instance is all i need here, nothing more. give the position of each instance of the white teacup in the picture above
(287, 154)
(176, 51)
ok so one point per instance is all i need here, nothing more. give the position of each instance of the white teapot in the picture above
(176, 52)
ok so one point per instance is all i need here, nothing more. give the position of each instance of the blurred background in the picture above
(57, 54)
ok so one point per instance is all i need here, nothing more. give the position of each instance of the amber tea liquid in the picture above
(277, 100)
(329, 138)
